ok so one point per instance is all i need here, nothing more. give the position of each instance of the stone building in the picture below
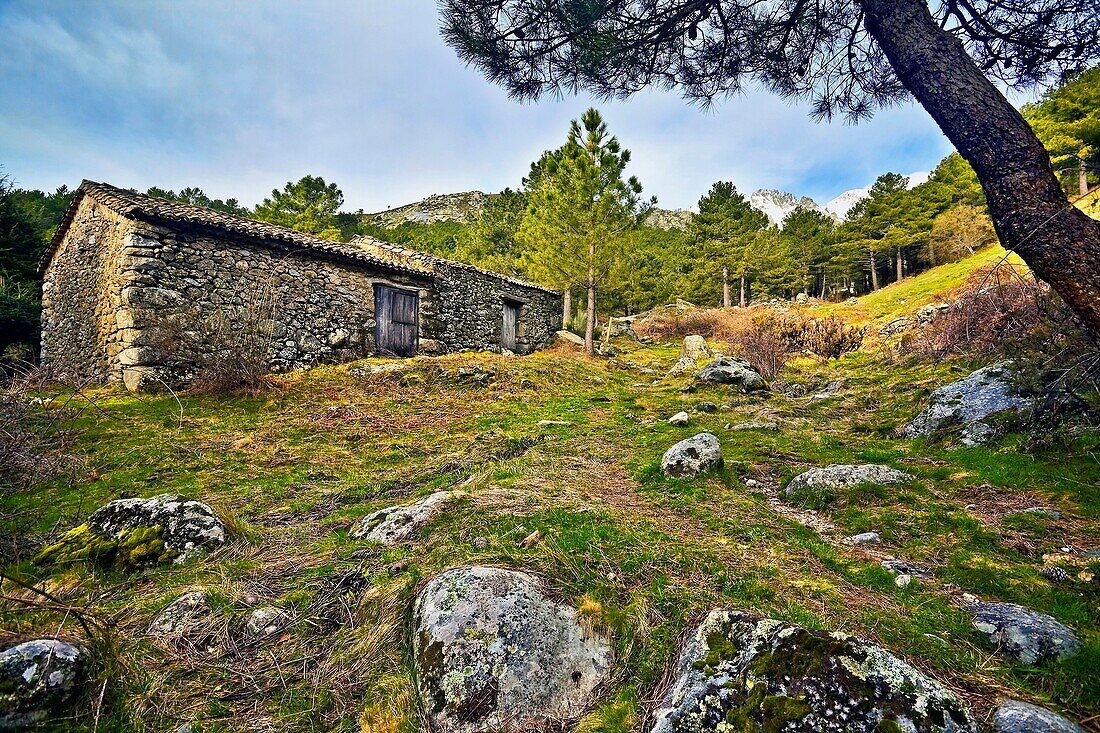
(142, 290)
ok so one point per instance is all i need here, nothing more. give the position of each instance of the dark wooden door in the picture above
(508, 329)
(396, 316)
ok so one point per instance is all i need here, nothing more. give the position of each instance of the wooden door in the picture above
(396, 316)
(508, 329)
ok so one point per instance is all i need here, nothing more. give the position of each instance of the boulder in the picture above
(189, 616)
(734, 372)
(623, 325)
(740, 672)
(679, 419)
(264, 621)
(694, 348)
(863, 538)
(37, 680)
(396, 524)
(130, 533)
(569, 337)
(1024, 635)
(1014, 716)
(494, 653)
(969, 403)
(737, 427)
(692, 456)
(844, 476)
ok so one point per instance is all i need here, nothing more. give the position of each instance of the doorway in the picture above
(396, 321)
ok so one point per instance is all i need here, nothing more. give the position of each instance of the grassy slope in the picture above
(643, 556)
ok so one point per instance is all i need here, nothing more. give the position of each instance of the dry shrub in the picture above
(672, 323)
(766, 341)
(224, 352)
(830, 337)
(37, 428)
(998, 309)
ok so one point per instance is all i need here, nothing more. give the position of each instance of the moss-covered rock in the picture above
(132, 533)
(741, 673)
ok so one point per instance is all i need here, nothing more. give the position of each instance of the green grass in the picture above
(642, 555)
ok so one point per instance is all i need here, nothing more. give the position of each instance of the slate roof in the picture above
(174, 214)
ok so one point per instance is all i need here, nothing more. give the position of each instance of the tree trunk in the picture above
(1030, 212)
(725, 287)
(566, 308)
(590, 320)
(874, 272)
(1082, 177)
(901, 268)
(743, 302)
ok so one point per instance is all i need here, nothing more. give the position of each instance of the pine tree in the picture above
(310, 206)
(722, 232)
(579, 209)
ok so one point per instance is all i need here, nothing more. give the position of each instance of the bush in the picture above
(830, 337)
(766, 341)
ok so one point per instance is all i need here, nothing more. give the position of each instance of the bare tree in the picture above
(849, 57)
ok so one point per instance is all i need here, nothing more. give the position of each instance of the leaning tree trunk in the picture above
(1030, 212)
(725, 287)
(566, 308)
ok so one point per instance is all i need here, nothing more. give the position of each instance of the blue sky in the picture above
(239, 97)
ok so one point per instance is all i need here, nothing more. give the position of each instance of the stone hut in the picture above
(142, 290)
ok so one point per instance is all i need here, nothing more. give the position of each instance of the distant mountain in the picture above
(438, 207)
(777, 204)
(668, 218)
(842, 204)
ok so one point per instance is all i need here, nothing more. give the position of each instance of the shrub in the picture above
(830, 337)
(766, 341)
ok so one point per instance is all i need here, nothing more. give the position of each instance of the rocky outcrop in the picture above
(131, 533)
(437, 207)
(668, 219)
(1024, 635)
(843, 476)
(740, 672)
(694, 349)
(735, 372)
(1014, 716)
(693, 456)
(569, 337)
(494, 653)
(969, 403)
(396, 524)
(38, 679)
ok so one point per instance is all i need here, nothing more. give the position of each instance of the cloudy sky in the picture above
(238, 97)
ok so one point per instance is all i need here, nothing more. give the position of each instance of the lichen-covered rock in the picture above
(970, 402)
(1014, 716)
(494, 653)
(37, 679)
(188, 617)
(130, 533)
(396, 524)
(694, 348)
(692, 456)
(844, 476)
(734, 372)
(738, 672)
(1024, 635)
(264, 621)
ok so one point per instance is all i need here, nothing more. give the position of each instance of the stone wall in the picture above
(85, 325)
(154, 305)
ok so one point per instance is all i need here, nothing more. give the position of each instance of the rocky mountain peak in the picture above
(437, 207)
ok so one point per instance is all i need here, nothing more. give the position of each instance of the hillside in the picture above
(558, 461)
(437, 207)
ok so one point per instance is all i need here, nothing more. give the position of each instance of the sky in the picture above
(240, 97)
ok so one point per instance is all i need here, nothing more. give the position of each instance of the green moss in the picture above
(888, 726)
(134, 548)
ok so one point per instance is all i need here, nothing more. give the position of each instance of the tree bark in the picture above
(743, 303)
(725, 287)
(1082, 177)
(590, 320)
(874, 272)
(1030, 212)
(566, 308)
(901, 268)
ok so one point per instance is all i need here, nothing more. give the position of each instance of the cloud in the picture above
(238, 98)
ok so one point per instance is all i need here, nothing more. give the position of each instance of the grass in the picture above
(643, 556)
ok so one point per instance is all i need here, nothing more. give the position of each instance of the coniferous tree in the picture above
(308, 205)
(1067, 120)
(579, 209)
(722, 232)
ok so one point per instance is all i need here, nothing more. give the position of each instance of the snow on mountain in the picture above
(842, 204)
(777, 204)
